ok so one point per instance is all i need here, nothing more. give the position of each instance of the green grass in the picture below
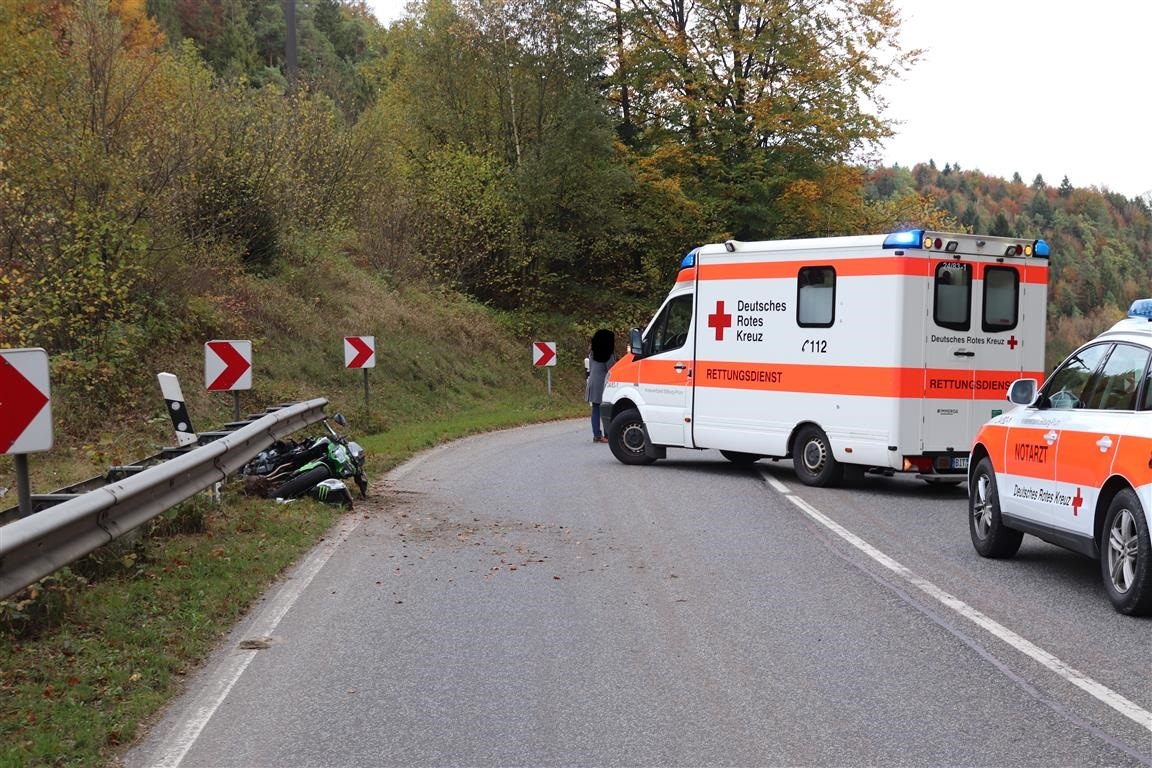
(75, 686)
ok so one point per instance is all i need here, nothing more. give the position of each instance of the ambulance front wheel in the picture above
(812, 457)
(628, 439)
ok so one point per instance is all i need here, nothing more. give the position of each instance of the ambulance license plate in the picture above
(960, 462)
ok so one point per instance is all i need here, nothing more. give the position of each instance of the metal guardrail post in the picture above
(36, 546)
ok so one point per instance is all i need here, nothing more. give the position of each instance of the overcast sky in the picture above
(1028, 86)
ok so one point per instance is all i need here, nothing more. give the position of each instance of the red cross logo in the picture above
(1076, 502)
(1012, 342)
(719, 320)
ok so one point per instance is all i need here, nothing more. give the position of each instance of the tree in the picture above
(1066, 187)
(1000, 226)
(759, 94)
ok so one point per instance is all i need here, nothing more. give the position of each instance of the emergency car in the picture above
(879, 352)
(1073, 464)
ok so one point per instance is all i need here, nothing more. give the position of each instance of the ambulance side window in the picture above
(952, 296)
(816, 297)
(670, 329)
(1001, 299)
(1071, 385)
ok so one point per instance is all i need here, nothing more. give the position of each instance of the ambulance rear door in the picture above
(985, 329)
(950, 356)
(1006, 341)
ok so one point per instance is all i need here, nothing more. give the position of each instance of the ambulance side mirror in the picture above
(1023, 391)
(635, 342)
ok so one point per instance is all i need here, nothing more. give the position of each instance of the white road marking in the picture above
(176, 746)
(777, 485)
(1124, 706)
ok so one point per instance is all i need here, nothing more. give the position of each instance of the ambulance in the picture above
(881, 353)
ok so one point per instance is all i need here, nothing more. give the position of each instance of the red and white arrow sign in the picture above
(25, 402)
(543, 353)
(359, 351)
(227, 365)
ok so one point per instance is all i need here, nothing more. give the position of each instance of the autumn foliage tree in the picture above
(133, 185)
(766, 101)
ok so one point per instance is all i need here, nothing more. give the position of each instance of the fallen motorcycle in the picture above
(319, 469)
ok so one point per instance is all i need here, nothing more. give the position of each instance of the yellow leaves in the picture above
(140, 31)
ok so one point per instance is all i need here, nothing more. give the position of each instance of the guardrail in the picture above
(38, 545)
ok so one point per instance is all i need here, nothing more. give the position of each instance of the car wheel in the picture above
(743, 459)
(990, 536)
(812, 457)
(628, 439)
(1126, 556)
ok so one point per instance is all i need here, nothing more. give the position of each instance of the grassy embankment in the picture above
(101, 646)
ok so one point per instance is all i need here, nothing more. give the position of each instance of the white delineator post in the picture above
(174, 399)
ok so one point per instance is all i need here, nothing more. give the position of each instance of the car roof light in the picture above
(689, 260)
(1141, 308)
(912, 238)
(1041, 249)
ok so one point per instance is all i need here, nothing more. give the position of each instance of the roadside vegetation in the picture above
(478, 176)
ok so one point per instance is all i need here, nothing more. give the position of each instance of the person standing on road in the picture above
(601, 357)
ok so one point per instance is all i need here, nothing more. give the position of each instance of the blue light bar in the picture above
(1141, 308)
(1041, 249)
(689, 260)
(912, 238)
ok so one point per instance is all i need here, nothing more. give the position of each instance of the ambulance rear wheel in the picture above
(812, 457)
(741, 458)
(628, 439)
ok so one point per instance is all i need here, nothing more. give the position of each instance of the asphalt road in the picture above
(521, 598)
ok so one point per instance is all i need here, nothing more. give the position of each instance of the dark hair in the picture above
(603, 345)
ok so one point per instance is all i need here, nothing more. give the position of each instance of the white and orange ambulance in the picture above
(880, 352)
(1073, 464)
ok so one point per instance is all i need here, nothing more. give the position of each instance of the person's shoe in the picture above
(599, 439)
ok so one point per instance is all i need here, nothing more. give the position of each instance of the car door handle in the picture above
(1104, 444)
(1050, 436)
(679, 367)
(964, 353)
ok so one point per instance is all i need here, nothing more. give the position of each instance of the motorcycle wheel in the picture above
(301, 484)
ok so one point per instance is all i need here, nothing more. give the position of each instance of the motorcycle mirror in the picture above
(339, 419)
